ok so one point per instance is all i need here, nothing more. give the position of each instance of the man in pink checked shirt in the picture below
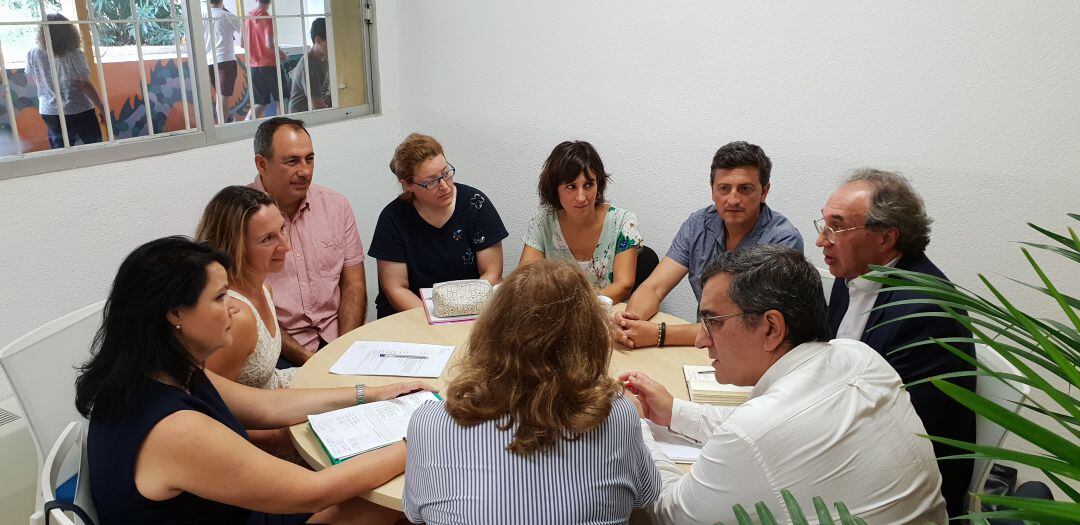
(322, 292)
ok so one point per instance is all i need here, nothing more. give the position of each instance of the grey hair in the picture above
(264, 136)
(894, 204)
(778, 278)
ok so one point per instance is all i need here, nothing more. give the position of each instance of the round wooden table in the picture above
(662, 364)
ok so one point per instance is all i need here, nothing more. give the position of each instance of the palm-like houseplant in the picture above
(1031, 344)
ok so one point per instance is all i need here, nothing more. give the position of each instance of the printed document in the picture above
(677, 448)
(357, 429)
(381, 358)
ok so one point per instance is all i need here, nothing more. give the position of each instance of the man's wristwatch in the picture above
(360, 399)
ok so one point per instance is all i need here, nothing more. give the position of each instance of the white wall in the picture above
(65, 233)
(977, 102)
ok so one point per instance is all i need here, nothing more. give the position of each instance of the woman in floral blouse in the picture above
(575, 223)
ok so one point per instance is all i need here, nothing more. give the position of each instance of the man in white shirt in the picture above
(220, 32)
(876, 218)
(826, 419)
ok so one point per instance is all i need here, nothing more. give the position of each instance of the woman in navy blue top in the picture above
(167, 440)
(435, 231)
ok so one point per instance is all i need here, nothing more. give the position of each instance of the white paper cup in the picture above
(605, 302)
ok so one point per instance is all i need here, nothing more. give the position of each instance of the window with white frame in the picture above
(87, 81)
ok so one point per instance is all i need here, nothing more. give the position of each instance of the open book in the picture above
(351, 431)
(703, 388)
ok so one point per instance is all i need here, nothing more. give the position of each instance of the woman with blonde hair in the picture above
(245, 224)
(436, 230)
(533, 430)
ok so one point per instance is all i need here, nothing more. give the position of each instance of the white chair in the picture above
(41, 368)
(58, 468)
(1009, 397)
(827, 280)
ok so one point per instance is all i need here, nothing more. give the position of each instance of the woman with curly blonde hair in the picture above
(533, 429)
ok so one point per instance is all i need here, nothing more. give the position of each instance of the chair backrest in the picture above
(827, 281)
(41, 369)
(1009, 397)
(57, 467)
(647, 261)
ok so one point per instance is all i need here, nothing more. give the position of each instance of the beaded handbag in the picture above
(457, 298)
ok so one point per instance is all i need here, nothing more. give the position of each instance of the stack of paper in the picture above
(703, 388)
(357, 429)
(679, 449)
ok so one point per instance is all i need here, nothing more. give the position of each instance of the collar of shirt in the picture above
(788, 362)
(865, 286)
(305, 205)
(715, 226)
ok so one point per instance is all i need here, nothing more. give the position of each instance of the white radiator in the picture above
(19, 474)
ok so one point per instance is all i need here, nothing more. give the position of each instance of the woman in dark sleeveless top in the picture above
(167, 440)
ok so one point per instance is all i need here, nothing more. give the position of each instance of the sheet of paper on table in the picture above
(677, 448)
(350, 431)
(382, 358)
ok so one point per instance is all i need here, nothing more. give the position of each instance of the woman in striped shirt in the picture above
(533, 430)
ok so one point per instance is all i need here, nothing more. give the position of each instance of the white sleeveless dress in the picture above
(260, 370)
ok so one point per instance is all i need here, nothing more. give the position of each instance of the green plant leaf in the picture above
(1065, 241)
(1053, 291)
(1038, 509)
(822, 510)
(845, 516)
(1059, 397)
(1060, 447)
(995, 453)
(765, 516)
(793, 508)
(1054, 249)
(1065, 487)
(1061, 418)
(741, 516)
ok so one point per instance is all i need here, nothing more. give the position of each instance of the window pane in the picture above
(42, 88)
(123, 83)
(315, 7)
(8, 143)
(169, 98)
(222, 33)
(267, 88)
(15, 41)
(155, 9)
(349, 52)
(311, 69)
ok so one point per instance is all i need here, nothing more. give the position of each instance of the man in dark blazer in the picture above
(876, 218)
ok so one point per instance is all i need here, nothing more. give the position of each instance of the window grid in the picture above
(187, 77)
(10, 104)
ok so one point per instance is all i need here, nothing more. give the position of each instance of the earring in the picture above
(177, 327)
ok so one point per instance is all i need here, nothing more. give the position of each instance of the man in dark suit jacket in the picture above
(876, 218)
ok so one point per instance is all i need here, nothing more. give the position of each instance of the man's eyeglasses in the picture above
(447, 175)
(829, 232)
(715, 320)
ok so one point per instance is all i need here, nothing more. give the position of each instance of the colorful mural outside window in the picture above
(128, 113)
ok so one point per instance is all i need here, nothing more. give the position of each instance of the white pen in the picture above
(407, 356)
